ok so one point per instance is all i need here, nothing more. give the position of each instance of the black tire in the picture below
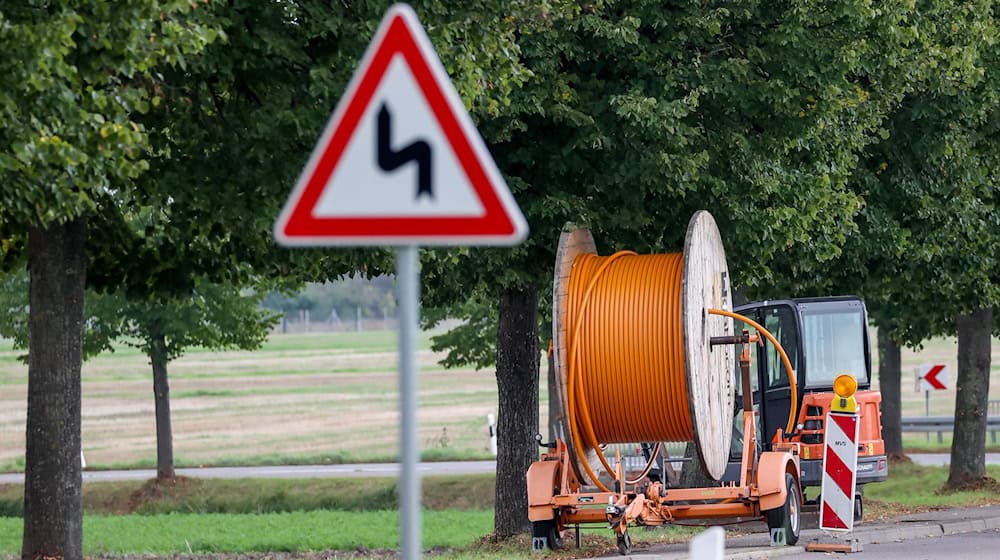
(859, 509)
(547, 529)
(625, 544)
(788, 517)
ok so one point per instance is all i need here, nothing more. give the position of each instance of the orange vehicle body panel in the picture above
(543, 479)
(870, 421)
(771, 478)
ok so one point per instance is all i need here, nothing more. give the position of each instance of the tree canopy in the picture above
(929, 186)
(634, 116)
(75, 78)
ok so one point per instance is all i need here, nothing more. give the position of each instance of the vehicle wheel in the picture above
(859, 509)
(788, 517)
(547, 529)
(625, 544)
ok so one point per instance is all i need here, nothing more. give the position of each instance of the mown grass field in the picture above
(306, 398)
(302, 398)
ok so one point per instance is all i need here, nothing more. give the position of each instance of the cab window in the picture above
(835, 344)
(780, 322)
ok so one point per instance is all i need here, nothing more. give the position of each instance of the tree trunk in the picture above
(972, 388)
(161, 395)
(517, 384)
(692, 473)
(890, 384)
(53, 519)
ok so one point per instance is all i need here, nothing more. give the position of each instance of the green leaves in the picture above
(927, 242)
(180, 129)
(72, 77)
(770, 115)
(471, 343)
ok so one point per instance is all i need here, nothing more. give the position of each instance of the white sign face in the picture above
(932, 377)
(406, 120)
(400, 162)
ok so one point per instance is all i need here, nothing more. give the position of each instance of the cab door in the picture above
(781, 320)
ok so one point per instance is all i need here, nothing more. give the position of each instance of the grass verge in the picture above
(14, 465)
(356, 514)
(449, 534)
(913, 487)
(270, 532)
(258, 496)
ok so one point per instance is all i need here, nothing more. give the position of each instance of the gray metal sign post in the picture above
(408, 282)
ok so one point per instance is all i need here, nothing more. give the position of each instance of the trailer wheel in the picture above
(625, 544)
(547, 530)
(859, 509)
(788, 517)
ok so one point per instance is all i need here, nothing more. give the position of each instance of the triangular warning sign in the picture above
(400, 162)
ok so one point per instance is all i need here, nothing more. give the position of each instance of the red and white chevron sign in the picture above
(840, 461)
(933, 377)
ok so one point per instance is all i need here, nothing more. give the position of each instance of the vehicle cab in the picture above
(823, 338)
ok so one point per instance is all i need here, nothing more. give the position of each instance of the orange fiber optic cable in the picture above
(626, 377)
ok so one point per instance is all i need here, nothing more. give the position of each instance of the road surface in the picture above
(967, 546)
(363, 470)
(968, 533)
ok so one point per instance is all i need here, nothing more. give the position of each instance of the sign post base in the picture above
(852, 545)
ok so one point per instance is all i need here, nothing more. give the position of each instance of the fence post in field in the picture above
(491, 423)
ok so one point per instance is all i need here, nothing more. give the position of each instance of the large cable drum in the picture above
(632, 354)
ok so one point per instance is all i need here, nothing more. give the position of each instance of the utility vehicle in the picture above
(823, 337)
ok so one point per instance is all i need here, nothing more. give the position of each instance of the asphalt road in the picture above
(966, 533)
(361, 470)
(967, 546)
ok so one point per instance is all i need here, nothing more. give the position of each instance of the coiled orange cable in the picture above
(625, 348)
(625, 342)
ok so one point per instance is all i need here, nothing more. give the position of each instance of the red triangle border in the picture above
(298, 221)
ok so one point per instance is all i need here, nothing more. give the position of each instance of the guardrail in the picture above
(926, 424)
(941, 424)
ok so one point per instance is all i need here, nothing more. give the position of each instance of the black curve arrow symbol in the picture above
(390, 160)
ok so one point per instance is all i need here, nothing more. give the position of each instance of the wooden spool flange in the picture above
(710, 371)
